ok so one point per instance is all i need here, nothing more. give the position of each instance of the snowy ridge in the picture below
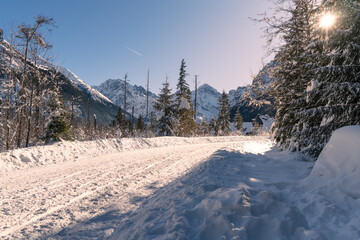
(70, 151)
(79, 83)
(136, 95)
(236, 96)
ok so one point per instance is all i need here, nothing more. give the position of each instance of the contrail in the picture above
(132, 50)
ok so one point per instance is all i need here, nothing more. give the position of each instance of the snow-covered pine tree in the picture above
(140, 125)
(164, 106)
(290, 70)
(238, 121)
(204, 128)
(223, 121)
(120, 121)
(333, 95)
(184, 112)
(58, 121)
(213, 127)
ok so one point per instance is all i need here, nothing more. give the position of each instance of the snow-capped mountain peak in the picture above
(135, 95)
(207, 102)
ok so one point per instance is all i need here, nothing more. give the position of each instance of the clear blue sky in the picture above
(93, 38)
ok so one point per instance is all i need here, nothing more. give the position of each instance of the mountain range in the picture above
(250, 100)
(104, 100)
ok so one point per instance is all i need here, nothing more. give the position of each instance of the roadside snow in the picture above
(186, 188)
(72, 151)
(330, 196)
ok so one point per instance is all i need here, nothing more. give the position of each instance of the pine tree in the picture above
(121, 122)
(140, 125)
(223, 121)
(213, 127)
(164, 105)
(187, 124)
(332, 96)
(58, 124)
(318, 75)
(290, 72)
(204, 128)
(238, 121)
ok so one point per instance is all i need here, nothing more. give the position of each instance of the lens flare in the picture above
(327, 20)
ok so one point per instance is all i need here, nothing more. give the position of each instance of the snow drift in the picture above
(330, 196)
(338, 165)
(234, 198)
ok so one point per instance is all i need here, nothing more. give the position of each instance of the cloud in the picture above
(132, 50)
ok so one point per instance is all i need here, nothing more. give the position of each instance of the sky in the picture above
(98, 40)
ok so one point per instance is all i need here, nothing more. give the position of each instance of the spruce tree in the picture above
(333, 92)
(184, 112)
(213, 127)
(223, 121)
(121, 122)
(318, 69)
(164, 106)
(58, 123)
(140, 125)
(204, 128)
(290, 72)
(238, 121)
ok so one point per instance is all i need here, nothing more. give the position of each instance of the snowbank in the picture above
(338, 166)
(330, 196)
(72, 151)
(232, 196)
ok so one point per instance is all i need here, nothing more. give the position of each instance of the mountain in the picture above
(71, 87)
(100, 105)
(207, 102)
(135, 95)
(255, 98)
(251, 99)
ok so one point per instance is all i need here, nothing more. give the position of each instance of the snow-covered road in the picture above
(180, 188)
(40, 201)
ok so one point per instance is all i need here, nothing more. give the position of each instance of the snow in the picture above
(207, 102)
(332, 194)
(73, 150)
(184, 103)
(79, 83)
(136, 95)
(267, 122)
(238, 187)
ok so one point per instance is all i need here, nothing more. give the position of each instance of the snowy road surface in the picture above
(237, 188)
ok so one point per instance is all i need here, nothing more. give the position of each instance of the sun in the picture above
(327, 20)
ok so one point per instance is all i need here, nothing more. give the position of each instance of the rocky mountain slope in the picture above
(135, 95)
(72, 87)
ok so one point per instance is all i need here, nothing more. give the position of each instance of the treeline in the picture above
(318, 71)
(174, 115)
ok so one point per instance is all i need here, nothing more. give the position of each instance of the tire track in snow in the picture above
(149, 165)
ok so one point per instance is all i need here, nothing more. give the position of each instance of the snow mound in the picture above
(74, 150)
(329, 197)
(338, 165)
